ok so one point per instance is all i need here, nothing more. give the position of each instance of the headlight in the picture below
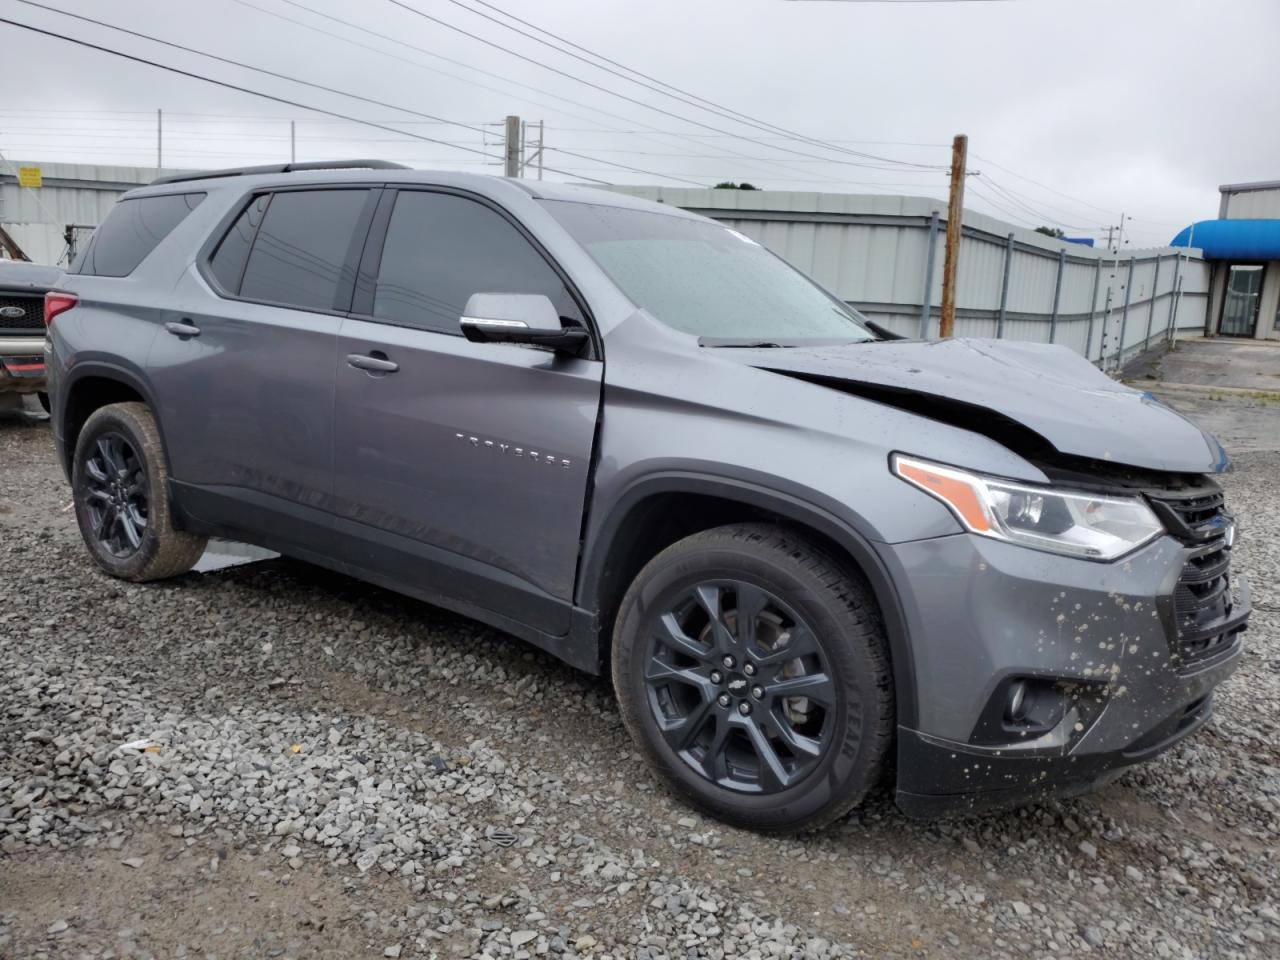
(1076, 523)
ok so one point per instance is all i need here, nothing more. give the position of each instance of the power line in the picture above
(1038, 203)
(241, 89)
(413, 63)
(307, 83)
(1001, 209)
(180, 136)
(148, 117)
(648, 82)
(596, 86)
(230, 62)
(1034, 212)
(423, 50)
(1043, 186)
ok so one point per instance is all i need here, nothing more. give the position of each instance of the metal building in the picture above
(1243, 249)
(69, 195)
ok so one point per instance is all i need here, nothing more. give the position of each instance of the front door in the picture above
(462, 472)
(1240, 305)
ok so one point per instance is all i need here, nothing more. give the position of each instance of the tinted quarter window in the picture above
(300, 252)
(441, 248)
(229, 260)
(132, 230)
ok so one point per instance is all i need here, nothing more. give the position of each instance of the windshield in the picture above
(704, 279)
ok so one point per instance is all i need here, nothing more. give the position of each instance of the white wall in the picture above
(1260, 204)
(76, 193)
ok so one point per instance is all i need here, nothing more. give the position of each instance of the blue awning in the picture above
(1233, 239)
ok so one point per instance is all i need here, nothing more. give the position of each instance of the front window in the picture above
(705, 279)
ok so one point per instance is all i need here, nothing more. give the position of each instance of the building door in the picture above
(1240, 306)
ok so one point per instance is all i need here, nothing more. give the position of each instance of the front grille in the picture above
(32, 317)
(1203, 602)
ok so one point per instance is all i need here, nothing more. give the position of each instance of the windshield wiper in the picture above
(723, 342)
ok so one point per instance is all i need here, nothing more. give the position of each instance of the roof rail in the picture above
(282, 168)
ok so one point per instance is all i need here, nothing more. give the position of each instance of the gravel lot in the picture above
(335, 771)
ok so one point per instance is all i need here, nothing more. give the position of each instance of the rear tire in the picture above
(752, 668)
(45, 405)
(120, 485)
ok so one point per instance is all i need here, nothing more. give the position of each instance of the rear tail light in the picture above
(56, 303)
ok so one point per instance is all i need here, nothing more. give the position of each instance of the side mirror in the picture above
(528, 318)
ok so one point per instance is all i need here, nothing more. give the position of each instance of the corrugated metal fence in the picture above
(883, 253)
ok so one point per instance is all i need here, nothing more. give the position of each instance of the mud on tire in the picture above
(119, 481)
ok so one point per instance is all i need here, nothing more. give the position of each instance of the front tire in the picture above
(119, 481)
(752, 668)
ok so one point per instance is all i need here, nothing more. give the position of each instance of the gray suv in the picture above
(813, 557)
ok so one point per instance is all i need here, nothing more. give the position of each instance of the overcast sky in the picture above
(1076, 110)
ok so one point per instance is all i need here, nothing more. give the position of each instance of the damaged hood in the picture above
(1050, 391)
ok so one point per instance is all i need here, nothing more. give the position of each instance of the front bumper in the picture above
(983, 614)
(22, 365)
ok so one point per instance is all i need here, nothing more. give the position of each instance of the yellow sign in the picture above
(30, 177)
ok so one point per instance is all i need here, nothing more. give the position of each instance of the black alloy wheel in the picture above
(752, 668)
(117, 494)
(739, 686)
(119, 484)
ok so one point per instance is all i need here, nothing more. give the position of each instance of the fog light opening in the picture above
(1016, 702)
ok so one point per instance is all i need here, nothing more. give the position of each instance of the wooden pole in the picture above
(951, 258)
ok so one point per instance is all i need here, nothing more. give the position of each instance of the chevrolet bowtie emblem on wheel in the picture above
(499, 447)
(12, 313)
(737, 686)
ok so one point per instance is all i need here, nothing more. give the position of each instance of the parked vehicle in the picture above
(22, 289)
(807, 555)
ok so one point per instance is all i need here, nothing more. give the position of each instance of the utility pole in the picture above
(951, 257)
(541, 134)
(159, 140)
(530, 152)
(1112, 232)
(511, 153)
(293, 142)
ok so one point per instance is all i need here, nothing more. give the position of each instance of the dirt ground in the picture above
(455, 793)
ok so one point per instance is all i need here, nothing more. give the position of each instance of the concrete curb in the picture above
(1155, 386)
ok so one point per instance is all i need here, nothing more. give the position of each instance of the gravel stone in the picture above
(458, 794)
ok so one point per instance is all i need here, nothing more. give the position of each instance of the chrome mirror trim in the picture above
(485, 322)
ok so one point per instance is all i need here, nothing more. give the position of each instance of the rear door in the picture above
(244, 369)
(463, 472)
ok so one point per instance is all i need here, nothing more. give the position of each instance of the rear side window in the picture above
(132, 230)
(440, 249)
(299, 256)
(229, 261)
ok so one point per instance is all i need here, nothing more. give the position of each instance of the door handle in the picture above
(374, 364)
(182, 328)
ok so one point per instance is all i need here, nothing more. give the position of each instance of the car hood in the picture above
(16, 275)
(1002, 388)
